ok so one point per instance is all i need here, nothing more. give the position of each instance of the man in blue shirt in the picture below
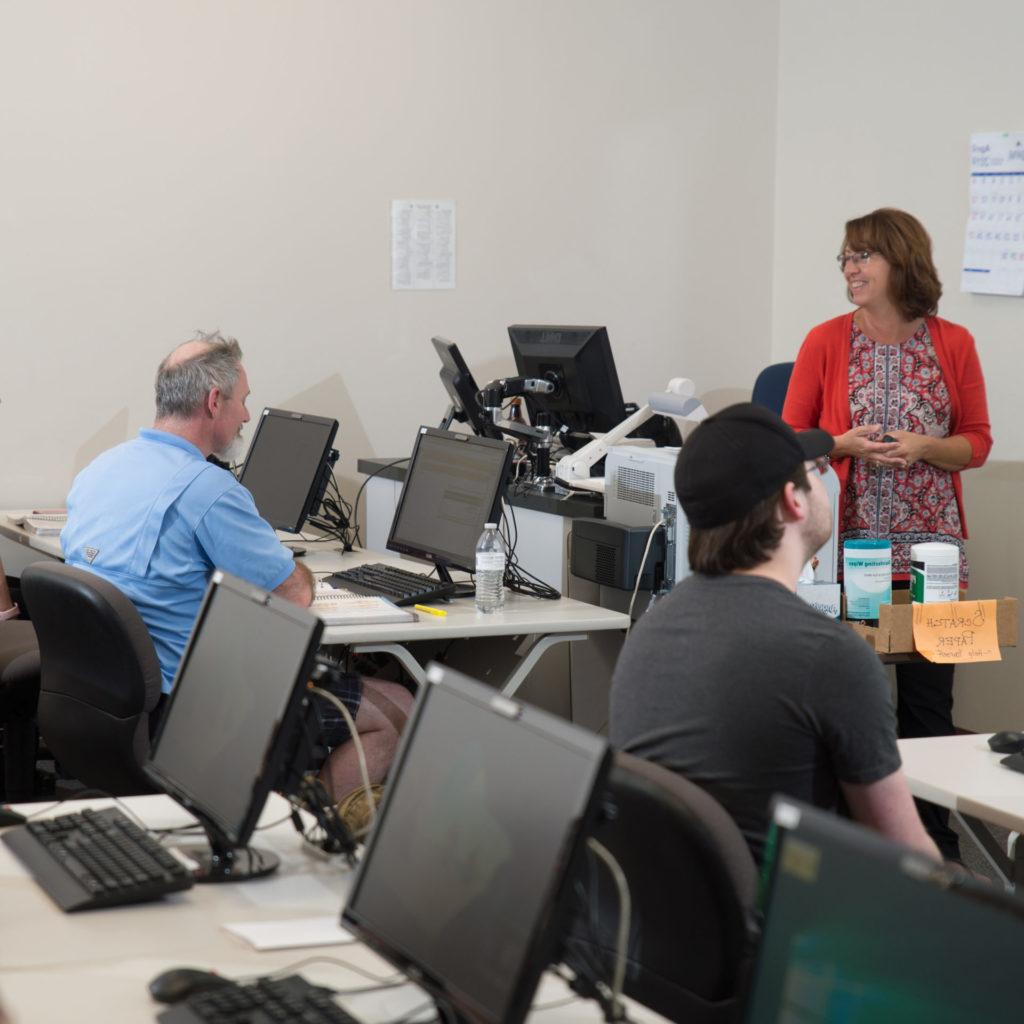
(155, 518)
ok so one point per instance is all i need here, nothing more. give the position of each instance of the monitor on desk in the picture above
(287, 465)
(461, 883)
(579, 362)
(454, 485)
(861, 930)
(462, 390)
(234, 725)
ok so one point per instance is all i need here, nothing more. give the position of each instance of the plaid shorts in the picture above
(348, 688)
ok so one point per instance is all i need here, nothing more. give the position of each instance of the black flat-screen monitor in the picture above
(454, 486)
(578, 361)
(462, 882)
(462, 390)
(234, 725)
(859, 930)
(285, 469)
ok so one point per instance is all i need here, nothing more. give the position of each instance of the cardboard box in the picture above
(894, 633)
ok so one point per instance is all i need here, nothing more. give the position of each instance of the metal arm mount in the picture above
(509, 387)
(538, 436)
(676, 400)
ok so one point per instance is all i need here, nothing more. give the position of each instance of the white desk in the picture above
(964, 775)
(95, 965)
(545, 623)
(22, 548)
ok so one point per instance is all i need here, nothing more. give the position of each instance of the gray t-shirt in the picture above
(745, 689)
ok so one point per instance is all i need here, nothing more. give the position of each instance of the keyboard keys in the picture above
(399, 585)
(92, 859)
(290, 999)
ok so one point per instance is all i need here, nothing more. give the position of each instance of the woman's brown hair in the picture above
(914, 285)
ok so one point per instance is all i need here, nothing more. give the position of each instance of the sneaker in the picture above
(356, 812)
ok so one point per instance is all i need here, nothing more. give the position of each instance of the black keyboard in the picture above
(94, 859)
(398, 585)
(267, 1000)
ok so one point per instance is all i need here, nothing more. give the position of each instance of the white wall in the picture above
(230, 163)
(876, 104)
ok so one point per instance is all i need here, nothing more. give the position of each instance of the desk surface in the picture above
(62, 967)
(521, 615)
(961, 773)
(47, 545)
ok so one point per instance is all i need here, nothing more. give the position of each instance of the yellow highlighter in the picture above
(440, 612)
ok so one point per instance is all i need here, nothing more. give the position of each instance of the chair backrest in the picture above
(99, 676)
(771, 386)
(693, 888)
(19, 695)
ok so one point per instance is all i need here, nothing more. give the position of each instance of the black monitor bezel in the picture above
(815, 829)
(543, 945)
(460, 384)
(288, 732)
(589, 350)
(313, 494)
(444, 559)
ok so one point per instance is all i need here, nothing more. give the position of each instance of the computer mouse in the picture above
(9, 817)
(181, 982)
(1007, 742)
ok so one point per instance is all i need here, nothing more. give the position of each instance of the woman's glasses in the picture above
(856, 258)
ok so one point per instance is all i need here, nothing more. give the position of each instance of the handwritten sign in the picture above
(957, 631)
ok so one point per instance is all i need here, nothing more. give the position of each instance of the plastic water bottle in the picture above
(490, 570)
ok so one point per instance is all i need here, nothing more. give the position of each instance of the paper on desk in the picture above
(294, 934)
(952, 632)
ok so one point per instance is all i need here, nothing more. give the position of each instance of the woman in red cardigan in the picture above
(901, 391)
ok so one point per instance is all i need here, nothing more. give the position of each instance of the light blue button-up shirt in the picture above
(154, 518)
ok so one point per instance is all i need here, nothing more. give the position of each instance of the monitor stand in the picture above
(222, 862)
(462, 589)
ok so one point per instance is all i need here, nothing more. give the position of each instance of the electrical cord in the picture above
(359, 494)
(625, 910)
(335, 515)
(360, 753)
(517, 579)
(380, 981)
(640, 571)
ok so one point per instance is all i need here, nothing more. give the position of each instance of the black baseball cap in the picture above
(738, 457)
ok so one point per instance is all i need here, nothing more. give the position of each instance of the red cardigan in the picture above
(819, 390)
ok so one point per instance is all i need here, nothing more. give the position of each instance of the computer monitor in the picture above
(462, 390)
(462, 882)
(234, 725)
(454, 486)
(860, 930)
(287, 465)
(578, 361)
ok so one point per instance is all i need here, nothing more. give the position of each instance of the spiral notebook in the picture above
(343, 608)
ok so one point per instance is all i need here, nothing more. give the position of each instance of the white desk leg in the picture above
(515, 679)
(397, 651)
(532, 656)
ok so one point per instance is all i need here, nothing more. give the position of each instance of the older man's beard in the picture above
(233, 452)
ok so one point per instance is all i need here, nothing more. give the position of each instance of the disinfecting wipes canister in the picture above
(934, 572)
(867, 577)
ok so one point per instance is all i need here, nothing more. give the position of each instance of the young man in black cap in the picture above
(734, 681)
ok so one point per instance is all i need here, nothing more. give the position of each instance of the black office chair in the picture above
(771, 386)
(693, 887)
(99, 677)
(19, 692)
